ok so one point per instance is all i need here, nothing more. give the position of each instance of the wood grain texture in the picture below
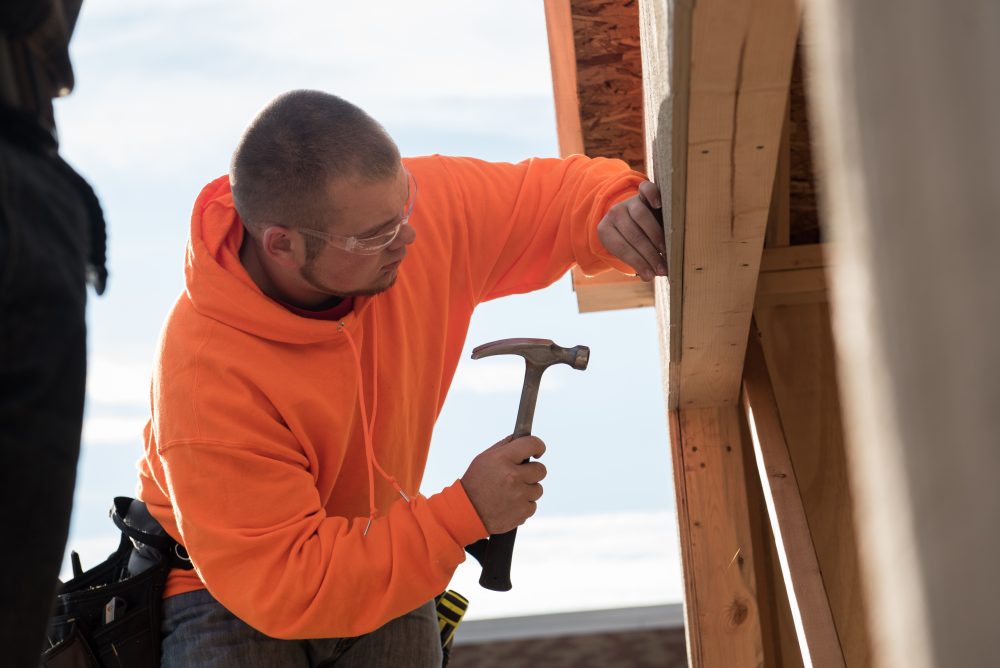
(781, 644)
(906, 108)
(562, 59)
(742, 54)
(665, 32)
(803, 580)
(610, 291)
(722, 618)
(798, 349)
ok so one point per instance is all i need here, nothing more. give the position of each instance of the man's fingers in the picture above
(522, 448)
(533, 472)
(651, 192)
(622, 248)
(535, 492)
(645, 234)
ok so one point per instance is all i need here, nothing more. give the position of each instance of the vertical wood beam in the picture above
(906, 104)
(722, 618)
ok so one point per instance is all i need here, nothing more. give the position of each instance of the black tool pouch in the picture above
(109, 616)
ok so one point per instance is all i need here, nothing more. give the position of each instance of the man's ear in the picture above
(283, 247)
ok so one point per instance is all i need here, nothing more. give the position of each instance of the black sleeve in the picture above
(20, 17)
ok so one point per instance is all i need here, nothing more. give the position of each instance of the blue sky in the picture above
(164, 91)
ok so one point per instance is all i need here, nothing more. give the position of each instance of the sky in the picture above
(163, 92)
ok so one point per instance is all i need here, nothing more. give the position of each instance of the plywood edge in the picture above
(562, 58)
(665, 37)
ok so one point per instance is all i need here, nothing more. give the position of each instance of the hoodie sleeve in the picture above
(529, 222)
(248, 511)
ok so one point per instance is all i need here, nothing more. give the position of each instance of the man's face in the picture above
(362, 209)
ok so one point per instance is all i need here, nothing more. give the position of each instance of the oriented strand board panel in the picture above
(741, 61)
(798, 348)
(597, 84)
(609, 79)
(720, 581)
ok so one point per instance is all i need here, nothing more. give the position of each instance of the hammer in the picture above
(494, 553)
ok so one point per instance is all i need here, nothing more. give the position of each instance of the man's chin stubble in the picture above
(367, 292)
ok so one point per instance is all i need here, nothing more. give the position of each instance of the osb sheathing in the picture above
(609, 79)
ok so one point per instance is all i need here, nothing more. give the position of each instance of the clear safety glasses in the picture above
(378, 242)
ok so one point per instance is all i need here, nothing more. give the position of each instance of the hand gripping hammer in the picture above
(494, 553)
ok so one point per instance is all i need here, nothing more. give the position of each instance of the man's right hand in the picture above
(503, 490)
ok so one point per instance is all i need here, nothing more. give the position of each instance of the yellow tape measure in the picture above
(451, 607)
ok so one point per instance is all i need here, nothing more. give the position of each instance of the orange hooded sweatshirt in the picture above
(274, 438)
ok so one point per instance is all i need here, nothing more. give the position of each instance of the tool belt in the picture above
(110, 614)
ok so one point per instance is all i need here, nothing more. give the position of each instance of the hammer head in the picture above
(536, 352)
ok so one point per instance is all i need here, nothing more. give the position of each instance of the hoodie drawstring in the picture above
(368, 424)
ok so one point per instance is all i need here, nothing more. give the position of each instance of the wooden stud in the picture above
(817, 633)
(742, 55)
(798, 347)
(722, 619)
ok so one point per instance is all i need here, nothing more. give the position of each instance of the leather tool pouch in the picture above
(110, 614)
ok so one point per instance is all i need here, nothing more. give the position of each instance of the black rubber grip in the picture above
(496, 561)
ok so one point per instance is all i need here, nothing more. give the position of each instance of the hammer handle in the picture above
(499, 549)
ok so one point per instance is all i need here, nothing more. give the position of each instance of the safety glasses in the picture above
(378, 242)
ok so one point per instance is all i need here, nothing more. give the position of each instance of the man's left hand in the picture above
(631, 232)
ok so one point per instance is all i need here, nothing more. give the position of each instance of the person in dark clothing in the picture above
(51, 244)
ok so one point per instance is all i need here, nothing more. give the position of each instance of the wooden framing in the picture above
(906, 111)
(742, 55)
(771, 564)
(722, 619)
(809, 604)
(597, 84)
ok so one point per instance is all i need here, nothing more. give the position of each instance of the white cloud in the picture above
(493, 377)
(104, 430)
(165, 88)
(589, 562)
(118, 382)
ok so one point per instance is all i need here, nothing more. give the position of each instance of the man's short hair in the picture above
(294, 148)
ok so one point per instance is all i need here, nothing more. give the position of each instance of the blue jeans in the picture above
(199, 633)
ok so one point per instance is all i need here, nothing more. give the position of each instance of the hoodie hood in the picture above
(220, 288)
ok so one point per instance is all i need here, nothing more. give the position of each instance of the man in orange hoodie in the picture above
(330, 285)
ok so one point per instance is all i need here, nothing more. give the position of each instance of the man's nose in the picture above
(407, 235)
